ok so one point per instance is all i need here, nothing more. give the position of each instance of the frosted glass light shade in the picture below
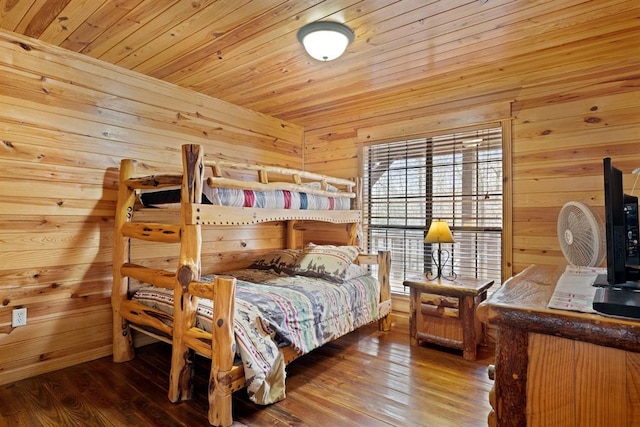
(325, 41)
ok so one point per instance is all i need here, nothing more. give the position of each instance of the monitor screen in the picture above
(619, 293)
(621, 229)
(614, 223)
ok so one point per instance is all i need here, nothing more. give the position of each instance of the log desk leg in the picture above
(444, 323)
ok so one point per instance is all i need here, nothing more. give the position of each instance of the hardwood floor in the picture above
(367, 378)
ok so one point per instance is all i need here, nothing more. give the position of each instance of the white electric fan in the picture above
(581, 235)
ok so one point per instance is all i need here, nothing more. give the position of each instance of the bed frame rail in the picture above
(344, 187)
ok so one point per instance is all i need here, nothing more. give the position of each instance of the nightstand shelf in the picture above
(443, 312)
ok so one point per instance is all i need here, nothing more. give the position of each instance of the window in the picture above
(456, 178)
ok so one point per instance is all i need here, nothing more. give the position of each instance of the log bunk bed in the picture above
(178, 325)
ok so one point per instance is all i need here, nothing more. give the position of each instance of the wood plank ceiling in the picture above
(246, 52)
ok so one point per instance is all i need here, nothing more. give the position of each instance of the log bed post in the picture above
(185, 305)
(223, 350)
(355, 229)
(122, 341)
(384, 264)
(354, 234)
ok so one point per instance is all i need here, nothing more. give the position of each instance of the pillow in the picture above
(280, 261)
(354, 271)
(326, 261)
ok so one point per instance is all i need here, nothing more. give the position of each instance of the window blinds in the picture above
(456, 178)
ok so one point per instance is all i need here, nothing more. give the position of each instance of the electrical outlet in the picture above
(19, 317)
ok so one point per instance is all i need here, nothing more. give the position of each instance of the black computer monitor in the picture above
(621, 229)
(619, 292)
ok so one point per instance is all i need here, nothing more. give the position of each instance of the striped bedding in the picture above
(274, 311)
(277, 199)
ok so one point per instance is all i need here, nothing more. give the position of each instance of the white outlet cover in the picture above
(19, 317)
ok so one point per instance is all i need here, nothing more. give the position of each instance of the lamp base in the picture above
(440, 265)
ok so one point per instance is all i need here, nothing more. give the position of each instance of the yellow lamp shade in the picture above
(439, 232)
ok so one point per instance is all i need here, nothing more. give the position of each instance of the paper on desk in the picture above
(574, 290)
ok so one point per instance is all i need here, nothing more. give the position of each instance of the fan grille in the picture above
(581, 235)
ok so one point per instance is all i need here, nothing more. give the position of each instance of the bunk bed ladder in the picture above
(187, 235)
(125, 310)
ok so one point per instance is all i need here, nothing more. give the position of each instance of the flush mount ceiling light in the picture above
(324, 40)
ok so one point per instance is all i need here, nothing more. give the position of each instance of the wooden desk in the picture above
(437, 320)
(556, 367)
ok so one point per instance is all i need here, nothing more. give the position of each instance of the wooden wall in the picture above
(567, 114)
(65, 122)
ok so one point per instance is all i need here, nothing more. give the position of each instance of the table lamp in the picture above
(439, 233)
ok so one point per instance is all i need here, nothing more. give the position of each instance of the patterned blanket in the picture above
(274, 311)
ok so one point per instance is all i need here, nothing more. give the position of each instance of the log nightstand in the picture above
(443, 312)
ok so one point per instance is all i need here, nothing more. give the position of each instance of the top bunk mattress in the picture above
(274, 199)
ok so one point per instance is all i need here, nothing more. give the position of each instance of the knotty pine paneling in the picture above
(66, 121)
(568, 72)
(247, 53)
(566, 116)
(558, 157)
(223, 248)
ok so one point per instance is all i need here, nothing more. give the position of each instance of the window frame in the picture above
(506, 245)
